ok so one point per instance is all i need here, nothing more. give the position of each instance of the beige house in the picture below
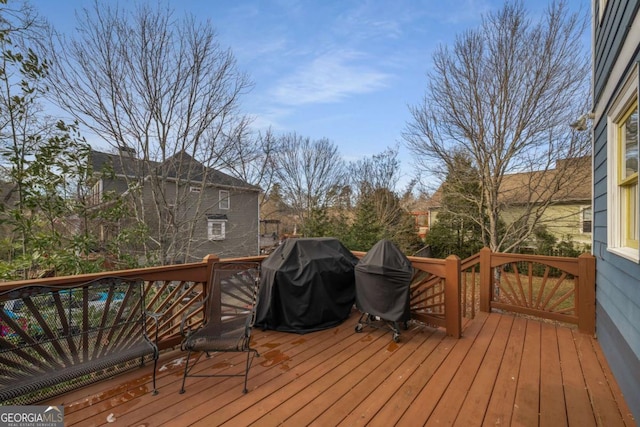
(567, 212)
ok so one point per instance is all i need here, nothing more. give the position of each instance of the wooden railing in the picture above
(554, 288)
(435, 293)
(470, 286)
(442, 291)
(170, 291)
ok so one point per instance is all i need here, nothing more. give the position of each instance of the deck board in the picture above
(579, 410)
(500, 406)
(505, 370)
(604, 405)
(457, 390)
(290, 388)
(475, 404)
(552, 403)
(396, 384)
(527, 402)
(611, 384)
(432, 391)
(390, 411)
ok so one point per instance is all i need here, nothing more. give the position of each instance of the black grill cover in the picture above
(306, 285)
(383, 281)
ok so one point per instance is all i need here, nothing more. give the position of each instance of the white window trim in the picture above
(224, 201)
(195, 189)
(582, 211)
(627, 95)
(210, 234)
(96, 192)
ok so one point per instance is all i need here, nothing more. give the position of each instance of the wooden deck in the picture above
(505, 370)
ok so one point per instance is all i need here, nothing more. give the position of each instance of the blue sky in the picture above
(345, 70)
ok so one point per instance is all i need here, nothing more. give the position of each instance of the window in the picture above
(586, 220)
(628, 175)
(223, 201)
(216, 229)
(95, 197)
(194, 189)
(622, 142)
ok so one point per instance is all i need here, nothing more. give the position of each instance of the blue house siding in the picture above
(616, 52)
(610, 35)
(622, 361)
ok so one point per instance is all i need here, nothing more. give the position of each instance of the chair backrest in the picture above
(233, 292)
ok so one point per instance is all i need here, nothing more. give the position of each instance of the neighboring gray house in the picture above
(616, 202)
(190, 210)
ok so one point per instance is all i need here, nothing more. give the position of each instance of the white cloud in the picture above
(372, 21)
(330, 77)
(270, 118)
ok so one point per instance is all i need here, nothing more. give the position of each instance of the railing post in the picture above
(586, 304)
(486, 280)
(452, 302)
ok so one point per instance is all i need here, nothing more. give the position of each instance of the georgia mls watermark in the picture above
(31, 416)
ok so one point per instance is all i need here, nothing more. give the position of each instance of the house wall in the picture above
(616, 44)
(241, 226)
(117, 186)
(563, 221)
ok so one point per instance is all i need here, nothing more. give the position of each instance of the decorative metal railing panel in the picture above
(55, 339)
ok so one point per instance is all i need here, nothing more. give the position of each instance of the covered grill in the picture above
(383, 281)
(306, 285)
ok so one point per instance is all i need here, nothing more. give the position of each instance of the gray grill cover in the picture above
(306, 285)
(383, 281)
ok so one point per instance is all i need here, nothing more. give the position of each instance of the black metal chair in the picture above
(228, 317)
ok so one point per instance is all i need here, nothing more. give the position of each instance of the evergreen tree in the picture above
(365, 230)
(457, 229)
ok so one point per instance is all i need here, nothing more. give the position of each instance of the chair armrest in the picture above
(156, 318)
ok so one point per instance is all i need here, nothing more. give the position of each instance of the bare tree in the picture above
(505, 94)
(163, 88)
(373, 180)
(251, 158)
(310, 174)
(378, 171)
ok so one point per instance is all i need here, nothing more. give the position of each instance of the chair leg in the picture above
(250, 354)
(186, 369)
(155, 365)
